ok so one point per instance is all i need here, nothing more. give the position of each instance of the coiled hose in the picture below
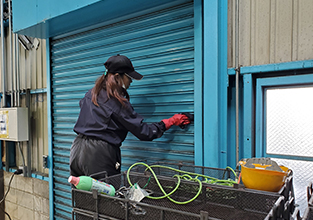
(185, 176)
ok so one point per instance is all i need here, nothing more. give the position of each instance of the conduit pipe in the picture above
(2, 57)
(13, 69)
(17, 70)
(237, 75)
(17, 98)
(10, 52)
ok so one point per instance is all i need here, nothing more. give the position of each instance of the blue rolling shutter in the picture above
(161, 46)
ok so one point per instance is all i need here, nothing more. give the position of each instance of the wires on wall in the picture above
(19, 171)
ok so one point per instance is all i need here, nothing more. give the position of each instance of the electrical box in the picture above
(14, 124)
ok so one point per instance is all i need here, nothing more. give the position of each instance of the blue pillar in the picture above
(198, 81)
(248, 109)
(49, 115)
(215, 83)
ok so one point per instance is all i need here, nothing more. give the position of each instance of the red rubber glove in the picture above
(177, 119)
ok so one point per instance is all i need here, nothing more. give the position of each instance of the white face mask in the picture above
(128, 81)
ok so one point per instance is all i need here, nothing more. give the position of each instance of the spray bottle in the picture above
(87, 183)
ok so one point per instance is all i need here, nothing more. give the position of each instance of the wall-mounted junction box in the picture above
(14, 124)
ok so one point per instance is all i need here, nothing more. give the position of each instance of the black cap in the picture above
(121, 64)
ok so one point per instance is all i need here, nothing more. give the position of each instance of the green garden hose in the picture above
(185, 176)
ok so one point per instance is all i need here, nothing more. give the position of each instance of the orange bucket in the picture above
(262, 176)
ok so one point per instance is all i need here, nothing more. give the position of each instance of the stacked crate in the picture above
(213, 202)
(308, 213)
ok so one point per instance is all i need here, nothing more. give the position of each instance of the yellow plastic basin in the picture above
(260, 179)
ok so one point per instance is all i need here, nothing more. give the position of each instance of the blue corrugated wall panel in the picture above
(161, 46)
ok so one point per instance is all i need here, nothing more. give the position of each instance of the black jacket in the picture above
(111, 121)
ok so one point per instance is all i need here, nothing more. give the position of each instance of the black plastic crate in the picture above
(284, 210)
(308, 214)
(125, 209)
(296, 214)
(310, 194)
(84, 215)
(219, 202)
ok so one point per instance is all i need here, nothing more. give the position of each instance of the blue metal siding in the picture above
(161, 47)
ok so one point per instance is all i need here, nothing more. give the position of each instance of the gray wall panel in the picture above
(271, 31)
(28, 71)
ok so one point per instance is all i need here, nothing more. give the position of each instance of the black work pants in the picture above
(89, 156)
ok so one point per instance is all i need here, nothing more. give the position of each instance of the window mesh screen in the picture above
(289, 121)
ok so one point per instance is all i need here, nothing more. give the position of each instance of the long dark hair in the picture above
(113, 84)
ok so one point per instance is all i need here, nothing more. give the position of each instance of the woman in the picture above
(105, 118)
